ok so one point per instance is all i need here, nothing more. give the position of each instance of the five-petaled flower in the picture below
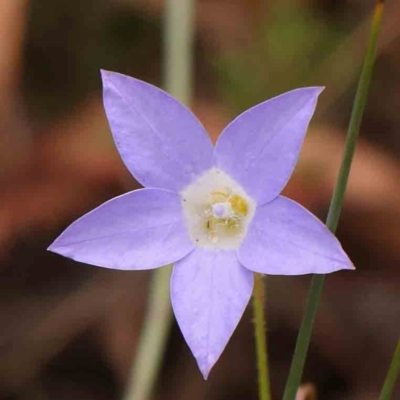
(216, 213)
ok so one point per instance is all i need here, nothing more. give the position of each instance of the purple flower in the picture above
(216, 213)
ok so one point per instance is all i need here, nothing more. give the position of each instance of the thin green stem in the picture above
(261, 339)
(178, 36)
(355, 120)
(153, 337)
(392, 375)
(317, 283)
(178, 45)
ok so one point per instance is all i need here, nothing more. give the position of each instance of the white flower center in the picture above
(217, 211)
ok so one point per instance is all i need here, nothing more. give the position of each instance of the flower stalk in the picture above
(178, 55)
(153, 338)
(260, 336)
(392, 375)
(316, 287)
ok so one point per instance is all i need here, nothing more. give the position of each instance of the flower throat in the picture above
(217, 211)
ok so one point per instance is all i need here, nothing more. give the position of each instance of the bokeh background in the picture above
(69, 330)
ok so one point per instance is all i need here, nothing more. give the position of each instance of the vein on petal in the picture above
(298, 246)
(277, 129)
(116, 234)
(166, 149)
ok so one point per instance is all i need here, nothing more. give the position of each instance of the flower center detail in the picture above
(217, 211)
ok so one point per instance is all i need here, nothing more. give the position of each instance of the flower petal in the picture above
(286, 239)
(209, 293)
(260, 148)
(142, 229)
(160, 141)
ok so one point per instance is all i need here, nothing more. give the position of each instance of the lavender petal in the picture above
(259, 149)
(160, 141)
(209, 293)
(143, 229)
(286, 239)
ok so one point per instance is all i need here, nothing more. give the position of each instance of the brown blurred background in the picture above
(68, 330)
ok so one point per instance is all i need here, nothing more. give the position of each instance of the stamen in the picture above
(217, 211)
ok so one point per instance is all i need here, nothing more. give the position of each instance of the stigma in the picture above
(217, 211)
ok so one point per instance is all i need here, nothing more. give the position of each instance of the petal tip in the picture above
(348, 264)
(52, 247)
(104, 73)
(55, 248)
(317, 90)
(106, 76)
(352, 267)
(205, 370)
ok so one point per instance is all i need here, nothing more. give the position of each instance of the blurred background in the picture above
(69, 330)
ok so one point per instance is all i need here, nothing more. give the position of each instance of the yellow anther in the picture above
(239, 205)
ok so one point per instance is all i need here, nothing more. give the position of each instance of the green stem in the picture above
(261, 339)
(179, 33)
(153, 338)
(178, 58)
(355, 120)
(317, 283)
(392, 375)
